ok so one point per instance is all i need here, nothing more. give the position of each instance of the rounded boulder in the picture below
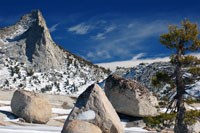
(31, 106)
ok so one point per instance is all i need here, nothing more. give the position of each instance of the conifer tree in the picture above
(181, 40)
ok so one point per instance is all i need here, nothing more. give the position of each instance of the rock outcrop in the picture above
(77, 126)
(94, 107)
(31, 107)
(130, 97)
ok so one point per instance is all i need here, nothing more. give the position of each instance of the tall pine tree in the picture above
(182, 40)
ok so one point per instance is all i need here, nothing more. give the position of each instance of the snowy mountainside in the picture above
(71, 82)
(30, 59)
(144, 73)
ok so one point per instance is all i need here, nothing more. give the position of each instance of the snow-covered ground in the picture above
(30, 129)
(163, 110)
(40, 128)
(51, 129)
(4, 102)
(61, 111)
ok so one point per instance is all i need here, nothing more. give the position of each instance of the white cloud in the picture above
(130, 25)
(147, 29)
(90, 55)
(138, 56)
(109, 29)
(114, 48)
(98, 54)
(103, 53)
(100, 36)
(80, 29)
(53, 28)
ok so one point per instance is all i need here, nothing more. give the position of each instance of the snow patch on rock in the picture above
(87, 115)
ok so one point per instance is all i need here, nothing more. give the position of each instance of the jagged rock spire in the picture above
(29, 41)
(35, 18)
(28, 46)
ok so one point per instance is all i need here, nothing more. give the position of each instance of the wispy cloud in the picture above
(99, 54)
(110, 28)
(138, 56)
(147, 29)
(102, 35)
(127, 38)
(53, 28)
(117, 37)
(80, 29)
(130, 25)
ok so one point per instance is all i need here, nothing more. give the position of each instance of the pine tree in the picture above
(182, 40)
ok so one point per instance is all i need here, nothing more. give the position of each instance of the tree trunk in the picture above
(180, 125)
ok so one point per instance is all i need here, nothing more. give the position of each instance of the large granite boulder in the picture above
(31, 107)
(130, 97)
(94, 107)
(77, 126)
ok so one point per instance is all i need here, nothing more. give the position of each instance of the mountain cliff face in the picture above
(28, 46)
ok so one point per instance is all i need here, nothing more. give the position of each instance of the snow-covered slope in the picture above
(72, 81)
(144, 73)
(30, 59)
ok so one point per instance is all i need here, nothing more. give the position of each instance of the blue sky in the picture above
(105, 30)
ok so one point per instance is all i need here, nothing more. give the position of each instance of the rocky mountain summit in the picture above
(27, 50)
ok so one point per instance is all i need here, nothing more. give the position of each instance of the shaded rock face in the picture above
(129, 97)
(77, 126)
(94, 107)
(31, 107)
(30, 41)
